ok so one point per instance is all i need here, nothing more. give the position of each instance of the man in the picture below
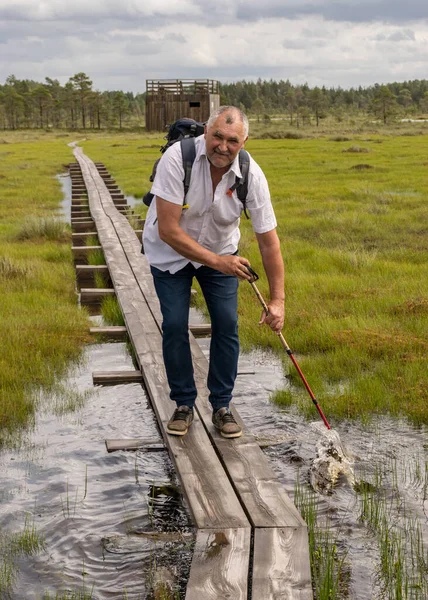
(201, 240)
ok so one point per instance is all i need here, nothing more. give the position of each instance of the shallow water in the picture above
(92, 508)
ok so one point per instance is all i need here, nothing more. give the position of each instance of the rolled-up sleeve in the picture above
(259, 202)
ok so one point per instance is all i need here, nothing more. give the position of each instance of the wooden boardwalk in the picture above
(251, 540)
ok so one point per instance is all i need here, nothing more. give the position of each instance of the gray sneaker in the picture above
(180, 421)
(225, 422)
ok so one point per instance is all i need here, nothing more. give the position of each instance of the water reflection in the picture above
(65, 182)
(86, 502)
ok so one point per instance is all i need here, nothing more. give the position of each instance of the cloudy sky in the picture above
(121, 43)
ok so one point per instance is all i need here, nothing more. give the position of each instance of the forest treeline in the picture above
(76, 105)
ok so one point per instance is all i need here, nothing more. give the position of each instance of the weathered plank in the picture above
(134, 444)
(79, 226)
(200, 330)
(220, 565)
(95, 295)
(80, 252)
(79, 208)
(112, 377)
(281, 567)
(80, 219)
(113, 332)
(86, 271)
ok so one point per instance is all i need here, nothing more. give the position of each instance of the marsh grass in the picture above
(44, 228)
(96, 257)
(8, 572)
(100, 281)
(41, 327)
(13, 545)
(355, 247)
(330, 573)
(11, 269)
(402, 571)
(27, 542)
(69, 504)
(92, 240)
(83, 594)
(111, 311)
(63, 399)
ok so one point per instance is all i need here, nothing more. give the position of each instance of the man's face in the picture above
(224, 140)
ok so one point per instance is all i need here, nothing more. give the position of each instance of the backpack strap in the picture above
(241, 183)
(188, 153)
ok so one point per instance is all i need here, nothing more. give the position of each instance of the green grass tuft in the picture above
(44, 228)
(111, 311)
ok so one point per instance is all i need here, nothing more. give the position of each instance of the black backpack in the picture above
(184, 130)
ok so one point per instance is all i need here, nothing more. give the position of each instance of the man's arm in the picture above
(171, 233)
(274, 268)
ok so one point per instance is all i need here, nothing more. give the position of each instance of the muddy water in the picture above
(98, 513)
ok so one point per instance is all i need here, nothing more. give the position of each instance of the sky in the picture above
(120, 44)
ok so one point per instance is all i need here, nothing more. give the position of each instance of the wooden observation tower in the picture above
(170, 99)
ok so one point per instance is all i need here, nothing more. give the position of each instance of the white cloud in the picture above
(120, 45)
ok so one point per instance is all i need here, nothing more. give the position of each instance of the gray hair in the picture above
(235, 113)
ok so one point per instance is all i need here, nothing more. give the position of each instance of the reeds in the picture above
(402, 570)
(12, 545)
(44, 228)
(111, 311)
(330, 572)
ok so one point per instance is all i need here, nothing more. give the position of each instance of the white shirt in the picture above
(212, 221)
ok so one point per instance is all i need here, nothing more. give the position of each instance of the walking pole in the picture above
(287, 348)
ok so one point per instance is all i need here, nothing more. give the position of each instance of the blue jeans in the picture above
(221, 296)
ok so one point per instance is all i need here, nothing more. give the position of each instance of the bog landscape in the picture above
(348, 176)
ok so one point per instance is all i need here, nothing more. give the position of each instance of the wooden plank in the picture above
(83, 251)
(79, 219)
(134, 444)
(262, 494)
(112, 377)
(95, 295)
(86, 271)
(79, 208)
(281, 569)
(79, 226)
(220, 565)
(114, 332)
(264, 498)
(83, 214)
(201, 330)
(75, 202)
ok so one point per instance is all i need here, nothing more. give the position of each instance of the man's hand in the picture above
(275, 317)
(231, 264)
